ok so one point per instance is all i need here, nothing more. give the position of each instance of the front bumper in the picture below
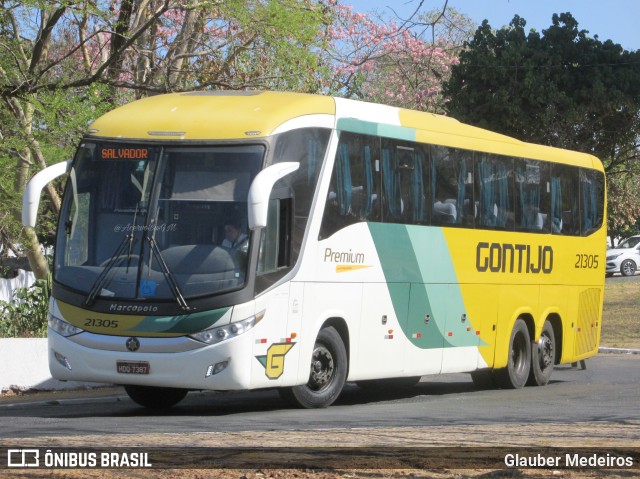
(191, 369)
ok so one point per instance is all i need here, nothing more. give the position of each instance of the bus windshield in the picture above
(156, 223)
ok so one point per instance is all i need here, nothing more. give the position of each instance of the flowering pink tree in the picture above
(396, 61)
(62, 63)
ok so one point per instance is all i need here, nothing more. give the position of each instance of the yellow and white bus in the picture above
(244, 240)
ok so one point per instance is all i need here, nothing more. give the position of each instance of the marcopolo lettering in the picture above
(513, 258)
(132, 308)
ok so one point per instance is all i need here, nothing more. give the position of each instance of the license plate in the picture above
(133, 367)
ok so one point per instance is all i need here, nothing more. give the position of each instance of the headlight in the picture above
(222, 333)
(62, 327)
(613, 256)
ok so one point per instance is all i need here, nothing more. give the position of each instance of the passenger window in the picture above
(565, 192)
(354, 192)
(592, 201)
(452, 187)
(494, 183)
(532, 195)
(405, 182)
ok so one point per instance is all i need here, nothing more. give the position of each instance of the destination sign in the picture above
(125, 152)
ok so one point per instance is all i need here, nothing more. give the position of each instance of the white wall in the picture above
(24, 366)
(8, 286)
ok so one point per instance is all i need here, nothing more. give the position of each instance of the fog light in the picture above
(216, 368)
(62, 360)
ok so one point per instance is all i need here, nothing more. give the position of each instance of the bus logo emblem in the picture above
(132, 344)
(273, 361)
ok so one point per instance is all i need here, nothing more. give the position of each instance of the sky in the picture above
(616, 20)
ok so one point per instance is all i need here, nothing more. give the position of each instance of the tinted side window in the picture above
(494, 186)
(354, 192)
(404, 182)
(532, 195)
(565, 192)
(308, 147)
(591, 201)
(452, 187)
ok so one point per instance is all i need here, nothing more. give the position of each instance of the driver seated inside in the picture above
(234, 238)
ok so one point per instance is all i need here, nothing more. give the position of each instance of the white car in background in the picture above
(624, 258)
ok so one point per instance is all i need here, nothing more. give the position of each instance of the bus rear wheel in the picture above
(543, 357)
(327, 376)
(155, 397)
(516, 374)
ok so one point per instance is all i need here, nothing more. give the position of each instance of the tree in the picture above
(401, 62)
(562, 88)
(62, 63)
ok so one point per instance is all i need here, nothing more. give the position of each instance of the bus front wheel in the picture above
(516, 374)
(155, 397)
(327, 375)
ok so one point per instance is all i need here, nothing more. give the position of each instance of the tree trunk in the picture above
(37, 260)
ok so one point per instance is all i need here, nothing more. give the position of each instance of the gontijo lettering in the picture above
(513, 258)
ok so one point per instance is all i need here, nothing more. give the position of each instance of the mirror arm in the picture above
(31, 196)
(260, 191)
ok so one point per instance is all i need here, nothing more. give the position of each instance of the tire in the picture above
(628, 267)
(483, 379)
(543, 357)
(327, 376)
(516, 374)
(155, 397)
(389, 384)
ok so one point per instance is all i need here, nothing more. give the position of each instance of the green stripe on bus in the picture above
(183, 324)
(423, 285)
(376, 129)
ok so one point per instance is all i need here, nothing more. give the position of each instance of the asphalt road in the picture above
(607, 391)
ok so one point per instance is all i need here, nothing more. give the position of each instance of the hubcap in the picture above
(545, 351)
(322, 368)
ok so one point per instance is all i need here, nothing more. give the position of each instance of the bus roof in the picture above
(209, 115)
(223, 115)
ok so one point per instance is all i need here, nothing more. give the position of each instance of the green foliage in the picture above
(26, 315)
(561, 88)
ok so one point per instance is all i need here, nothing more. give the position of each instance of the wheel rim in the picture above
(545, 352)
(628, 268)
(322, 369)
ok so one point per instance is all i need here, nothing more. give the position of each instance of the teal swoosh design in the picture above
(423, 285)
(182, 324)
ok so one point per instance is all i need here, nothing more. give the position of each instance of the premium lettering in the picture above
(513, 258)
(331, 256)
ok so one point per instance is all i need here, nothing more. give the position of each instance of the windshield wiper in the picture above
(168, 275)
(104, 277)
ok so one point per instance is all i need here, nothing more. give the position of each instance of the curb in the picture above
(619, 350)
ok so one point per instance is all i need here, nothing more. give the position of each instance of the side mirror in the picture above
(31, 196)
(260, 191)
